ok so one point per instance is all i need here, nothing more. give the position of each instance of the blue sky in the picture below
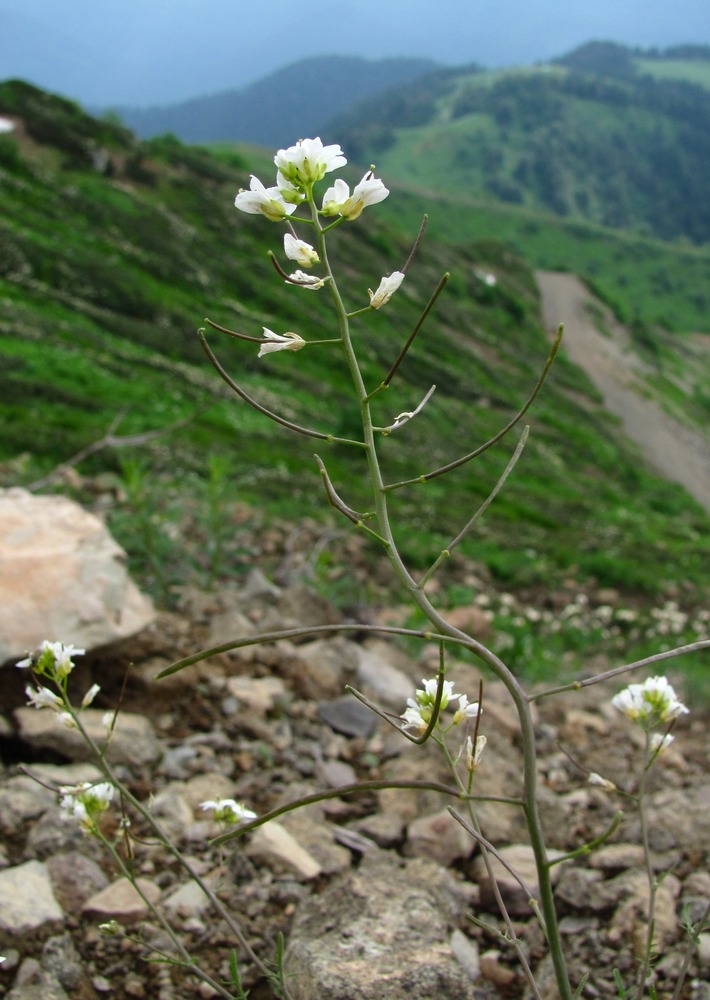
(141, 52)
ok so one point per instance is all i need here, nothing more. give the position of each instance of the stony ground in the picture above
(379, 894)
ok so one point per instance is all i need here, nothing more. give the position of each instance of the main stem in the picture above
(417, 594)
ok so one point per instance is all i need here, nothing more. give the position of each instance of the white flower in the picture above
(67, 720)
(597, 779)
(414, 720)
(337, 200)
(90, 695)
(649, 703)
(309, 281)
(426, 696)
(53, 660)
(42, 697)
(300, 251)
(229, 811)
(280, 342)
(386, 289)
(473, 757)
(308, 161)
(260, 200)
(465, 710)
(661, 743)
(85, 803)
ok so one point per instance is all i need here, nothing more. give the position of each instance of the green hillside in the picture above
(604, 136)
(112, 252)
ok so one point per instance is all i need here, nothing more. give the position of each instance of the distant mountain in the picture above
(616, 136)
(295, 101)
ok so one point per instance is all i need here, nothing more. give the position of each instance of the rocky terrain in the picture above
(378, 893)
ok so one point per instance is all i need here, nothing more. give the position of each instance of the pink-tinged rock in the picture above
(122, 902)
(63, 577)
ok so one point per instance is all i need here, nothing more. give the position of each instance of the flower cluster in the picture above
(650, 704)
(418, 713)
(298, 168)
(86, 803)
(228, 811)
(54, 660)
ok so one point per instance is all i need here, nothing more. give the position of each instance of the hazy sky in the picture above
(141, 52)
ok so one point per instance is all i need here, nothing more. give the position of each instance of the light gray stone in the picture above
(27, 900)
(440, 837)
(343, 941)
(64, 577)
(133, 740)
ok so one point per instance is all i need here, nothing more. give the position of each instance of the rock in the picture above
(326, 666)
(348, 716)
(61, 959)
(27, 901)
(22, 799)
(122, 902)
(519, 858)
(274, 846)
(351, 933)
(467, 954)
(259, 694)
(206, 788)
(75, 878)
(617, 857)
(494, 971)
(440, 837)
(64, 577)
(133, 740)
(385, 829)
(382, 682)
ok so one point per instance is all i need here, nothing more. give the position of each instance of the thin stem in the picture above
(219, 908)
(647, 661)
(427, 309)
(446, 553)
(354, 789)
(648, 864)
(308, 432)
(496, 437)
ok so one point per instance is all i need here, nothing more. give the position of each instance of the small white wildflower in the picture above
(337, 200)
(473, 757)
(466, 710)
(42, 697)
(385, 290)
(260, 200)
(308, 161)
(597, 779)
(86, 803)
(300, 251)
(426, 696)
(228, 811)
(53, 660)
(280, 342)
(660, 743)
(309, 281)
(413, 720)
(90, 695)
(649, 703)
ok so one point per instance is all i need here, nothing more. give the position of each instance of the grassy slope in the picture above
(103, 280)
